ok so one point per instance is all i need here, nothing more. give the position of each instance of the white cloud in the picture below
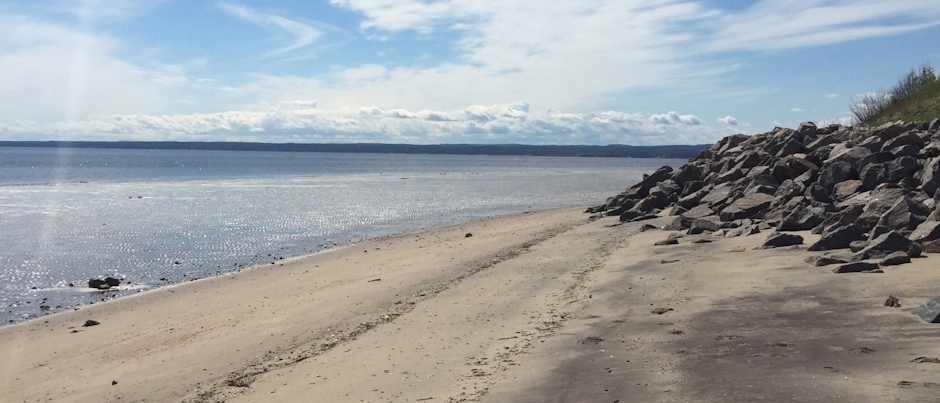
(831, 96)
(674, 118)
(304, 34)
(797, 110)
(728, 120)
(505, 123)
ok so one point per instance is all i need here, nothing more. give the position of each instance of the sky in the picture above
(639, 72)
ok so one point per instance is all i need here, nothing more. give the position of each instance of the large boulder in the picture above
(930, 176)
(802, 218)
(746, 207)
(905, 214)
(838, 171)
(702, 225)
(780, 239)
(699, 211)
(857, 267)
(926, 231)
(887, 244)
(840, 238)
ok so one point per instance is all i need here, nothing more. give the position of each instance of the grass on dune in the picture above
(916, 97)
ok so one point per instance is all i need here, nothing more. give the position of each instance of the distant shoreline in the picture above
(609, 151)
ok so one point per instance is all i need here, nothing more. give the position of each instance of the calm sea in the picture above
(155, 217)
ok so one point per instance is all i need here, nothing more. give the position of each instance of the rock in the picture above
(468, 235)
(932, 246)
(824, 260)
(89, 323)
(679, 224)
(893, 302)
(742, 231)
(930, 176)
(926, 231)
(113, 282)
(802, 218)
(698, 212)
(856, 267)
(894, 259)
(629, 215)
(97, 283)
(929, 311)
(844, 190)
(746, 207)
(887, 244)
(730, 176)
(839, 171)
(856, 246)
(840, 238)
(717, 195)
(701, 225)
(659, 310)
(667, 241)
(882, 200)
(780, 239)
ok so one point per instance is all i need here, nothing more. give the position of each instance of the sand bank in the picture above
(540, 307)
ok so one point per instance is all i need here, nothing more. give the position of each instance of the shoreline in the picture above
(544, 306)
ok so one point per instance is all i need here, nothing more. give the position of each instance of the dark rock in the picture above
(629, 215)
(908, 138)
(701, 225)
(873, 143)
(856, 267)
(932, 246)
(905, 151)
(802, 218)
(817, 193)
(893, 302)
(930, 176)
(905, 214)
(730, 176)
(894, 259)
(687, 173)
(856, 246)
(702, 240)
(667, 241)
(824, 260)
(788, 189)
(822, 141)
(838, 171)
(89, 323)
(926, 231)
(882, 200)
(717, 195)
(113, 282)
(887, 244)
(780, 239)
(929, 311)
(789, 148)
(97, 283)
(680, 223)
(644, 217)
(840, 238)
(746, 207)
(873, 175)
(698, 212)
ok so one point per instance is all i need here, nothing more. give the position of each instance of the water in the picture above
(154, 217)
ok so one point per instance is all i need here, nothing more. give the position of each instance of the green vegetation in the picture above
(916, 97)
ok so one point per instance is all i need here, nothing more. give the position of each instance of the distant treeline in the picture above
(614, 150)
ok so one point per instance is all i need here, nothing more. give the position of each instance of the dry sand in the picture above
(540, 307)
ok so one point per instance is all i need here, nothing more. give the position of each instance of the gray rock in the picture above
(893, 302)
(932, 246)
(856, 246)
(742, 231)
(698, 212)
(894, 259)
(873, 175)
(780, 239)
(838, 171)
(926, 231)
(667, 241)
(97, 283)
(929, 311)
(844, 190)
(887, 244)
(824, 260)
(840, 238)
(746, 207)
(111, 281)
(856, 267)
(629, 215)
(930, 176)
(701, 225)
(680, 223)
(802, 218)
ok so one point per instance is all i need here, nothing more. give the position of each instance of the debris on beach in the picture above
(660, 310)
(89, 323)
(875, 191)
(893, 302)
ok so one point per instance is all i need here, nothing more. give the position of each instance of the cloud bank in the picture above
(506, 123)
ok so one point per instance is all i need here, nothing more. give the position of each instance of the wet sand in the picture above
(540, 307)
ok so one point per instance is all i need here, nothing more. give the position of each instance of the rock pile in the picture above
(872, 190)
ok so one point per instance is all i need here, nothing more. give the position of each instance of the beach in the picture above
(535, 307)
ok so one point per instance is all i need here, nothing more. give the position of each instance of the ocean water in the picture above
(157, 217)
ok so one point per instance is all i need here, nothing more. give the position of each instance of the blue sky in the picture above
(447, 71)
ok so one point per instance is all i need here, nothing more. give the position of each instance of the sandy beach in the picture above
(537, 307)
